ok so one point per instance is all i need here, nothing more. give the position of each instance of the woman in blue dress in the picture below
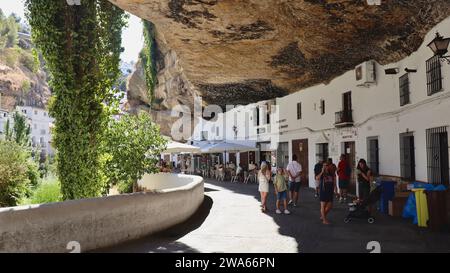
(327, 178)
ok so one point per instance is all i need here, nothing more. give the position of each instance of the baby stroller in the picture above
(360, 211)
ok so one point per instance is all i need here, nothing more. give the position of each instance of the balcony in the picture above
(344, 118)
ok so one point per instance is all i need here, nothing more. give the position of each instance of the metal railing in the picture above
(344, 116)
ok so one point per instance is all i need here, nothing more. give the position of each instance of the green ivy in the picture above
(148, 57)
(81, 45)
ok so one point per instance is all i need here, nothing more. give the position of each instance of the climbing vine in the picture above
(148, 58)
(81, 45)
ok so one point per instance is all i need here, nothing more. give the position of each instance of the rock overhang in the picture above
(238, 52)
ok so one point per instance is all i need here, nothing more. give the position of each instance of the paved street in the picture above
(230, 220)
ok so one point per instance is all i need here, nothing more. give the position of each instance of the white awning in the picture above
(227, 147)
(174, 147)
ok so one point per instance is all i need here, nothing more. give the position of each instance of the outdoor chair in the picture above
(251, 177)
(234, 176)
(220, 174)
(248, 177)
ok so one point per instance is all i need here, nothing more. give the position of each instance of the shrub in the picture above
(33, 172)
(48, 191)
(14, 170)
(29, 61)
(25, 86)
(10, 56)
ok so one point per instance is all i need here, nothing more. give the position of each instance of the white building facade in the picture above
(4, 116)
(398, 122)
(40, 124)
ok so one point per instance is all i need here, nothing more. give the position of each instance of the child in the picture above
(281, 190)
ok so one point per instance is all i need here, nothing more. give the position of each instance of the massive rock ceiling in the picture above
(241, 51)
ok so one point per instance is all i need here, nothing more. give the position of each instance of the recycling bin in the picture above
(387, 194)
(421, 206)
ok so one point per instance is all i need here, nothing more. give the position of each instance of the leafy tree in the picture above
(14, 167)
(11, 31)
(8, 130)
(20, 132)
(133, 146)
(81, 46)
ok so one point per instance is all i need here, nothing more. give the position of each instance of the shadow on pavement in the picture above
(395, 234)
(165, 241)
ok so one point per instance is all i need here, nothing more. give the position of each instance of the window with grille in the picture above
(204, 135)
(373, 158)
(434, 77)
(437, 155)
(299, 110)
(404, 90)
(322, 151)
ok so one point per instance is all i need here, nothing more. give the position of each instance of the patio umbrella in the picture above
(174, 147)
(227, 147)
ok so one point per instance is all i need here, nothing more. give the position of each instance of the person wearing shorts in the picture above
(294, 169)
(281, 191)
(264, 176)
(327, 179)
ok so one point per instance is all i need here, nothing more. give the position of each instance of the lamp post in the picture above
(439, 46)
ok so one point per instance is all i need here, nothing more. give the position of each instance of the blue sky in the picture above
(132, 39)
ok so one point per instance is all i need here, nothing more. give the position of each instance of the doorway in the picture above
(407, 157)
(283, 154)
(300, 148)
(350, 153)
(243, 160)
(347, 102)
(373, 155)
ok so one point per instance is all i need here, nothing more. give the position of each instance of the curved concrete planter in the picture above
(101, 222)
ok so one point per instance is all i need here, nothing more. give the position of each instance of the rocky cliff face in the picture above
(240, 51)
(172, 88)
(19, 85)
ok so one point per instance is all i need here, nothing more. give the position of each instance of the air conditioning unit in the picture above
(365, 74)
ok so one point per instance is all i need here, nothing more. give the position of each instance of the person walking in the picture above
(344, 173)
(364, 175)
(263, 179)
(317, 170)
(294, 170)
(281, 191)
(327, 179)
(333, 168)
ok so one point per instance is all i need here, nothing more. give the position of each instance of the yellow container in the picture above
(422, 207)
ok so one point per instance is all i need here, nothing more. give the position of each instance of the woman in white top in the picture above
(263, 179)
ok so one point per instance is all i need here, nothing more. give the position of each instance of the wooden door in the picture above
(232, 157)
(243, 160)
(300, 148)
(347, 101)
(349, 151)
(252, 157)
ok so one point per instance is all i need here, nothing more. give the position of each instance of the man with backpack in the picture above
(344, 173)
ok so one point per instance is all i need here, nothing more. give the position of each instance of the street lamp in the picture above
(439, 46)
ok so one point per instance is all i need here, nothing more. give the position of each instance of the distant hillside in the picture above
(22, 76)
